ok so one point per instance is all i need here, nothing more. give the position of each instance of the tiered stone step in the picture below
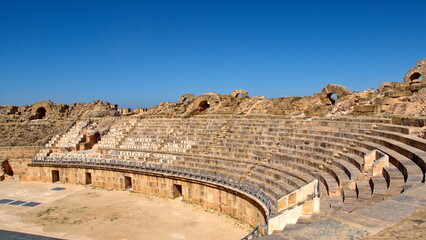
(412, 147)
(278, 155)
(404, 164)
(358, 224)
(71, 138)
(116, 134)
(53, 141)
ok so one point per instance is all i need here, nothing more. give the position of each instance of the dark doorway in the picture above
(40, 113)
(177, 190)
(55, 176)
(204, 105)
(95, 138)
(415, 76)
(7, 169)
(128, 183)
(88, 178)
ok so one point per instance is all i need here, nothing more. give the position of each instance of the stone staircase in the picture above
(357, 224)
(71, 138)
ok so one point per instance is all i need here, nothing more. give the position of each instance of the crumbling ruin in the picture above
(391, 98)
(263, 161)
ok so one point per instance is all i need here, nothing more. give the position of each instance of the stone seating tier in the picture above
(278, 154)
(397, 175)
(364, 125)
(389, 146)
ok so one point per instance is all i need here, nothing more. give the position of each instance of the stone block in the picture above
(364, 108)
(379, 164)
(393, 94)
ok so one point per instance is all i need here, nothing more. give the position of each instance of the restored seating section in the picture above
(276, 155)
(70, 139)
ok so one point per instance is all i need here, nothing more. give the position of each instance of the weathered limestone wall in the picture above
(391, 98)
(18, 158)
(228, 201)
(416, 121)
(47, 110)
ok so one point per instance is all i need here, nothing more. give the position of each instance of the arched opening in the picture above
(186, 98)
(333, 97)
(415, 76)
(40, 113)
(240, 94)
(204, 105)
(7, 169)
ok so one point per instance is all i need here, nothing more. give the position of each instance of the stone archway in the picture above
(334, 92)
(203, 105)
(204, 102)
(40, 113)
(415, 74)
(240, 93)
(41, 110)
(186, 98)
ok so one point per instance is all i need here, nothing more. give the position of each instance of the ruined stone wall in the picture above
(17, 158)
(23, 130)
(47, 110)
(391, 98)
(19, 142)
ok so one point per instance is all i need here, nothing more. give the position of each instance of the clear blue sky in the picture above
(140, 53)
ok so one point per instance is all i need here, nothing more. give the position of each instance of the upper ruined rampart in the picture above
(391, 98)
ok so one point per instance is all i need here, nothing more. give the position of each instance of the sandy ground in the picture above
(82, 212)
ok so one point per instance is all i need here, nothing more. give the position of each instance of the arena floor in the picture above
(83, 212)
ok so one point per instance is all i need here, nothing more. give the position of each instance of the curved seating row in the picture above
(278, 155)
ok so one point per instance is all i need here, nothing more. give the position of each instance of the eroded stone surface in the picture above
(391, 98)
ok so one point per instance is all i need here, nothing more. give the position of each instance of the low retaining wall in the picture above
(229, 201)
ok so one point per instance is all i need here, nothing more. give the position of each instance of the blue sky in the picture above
(140, 53)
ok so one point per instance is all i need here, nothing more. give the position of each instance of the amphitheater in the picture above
(335, 165)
